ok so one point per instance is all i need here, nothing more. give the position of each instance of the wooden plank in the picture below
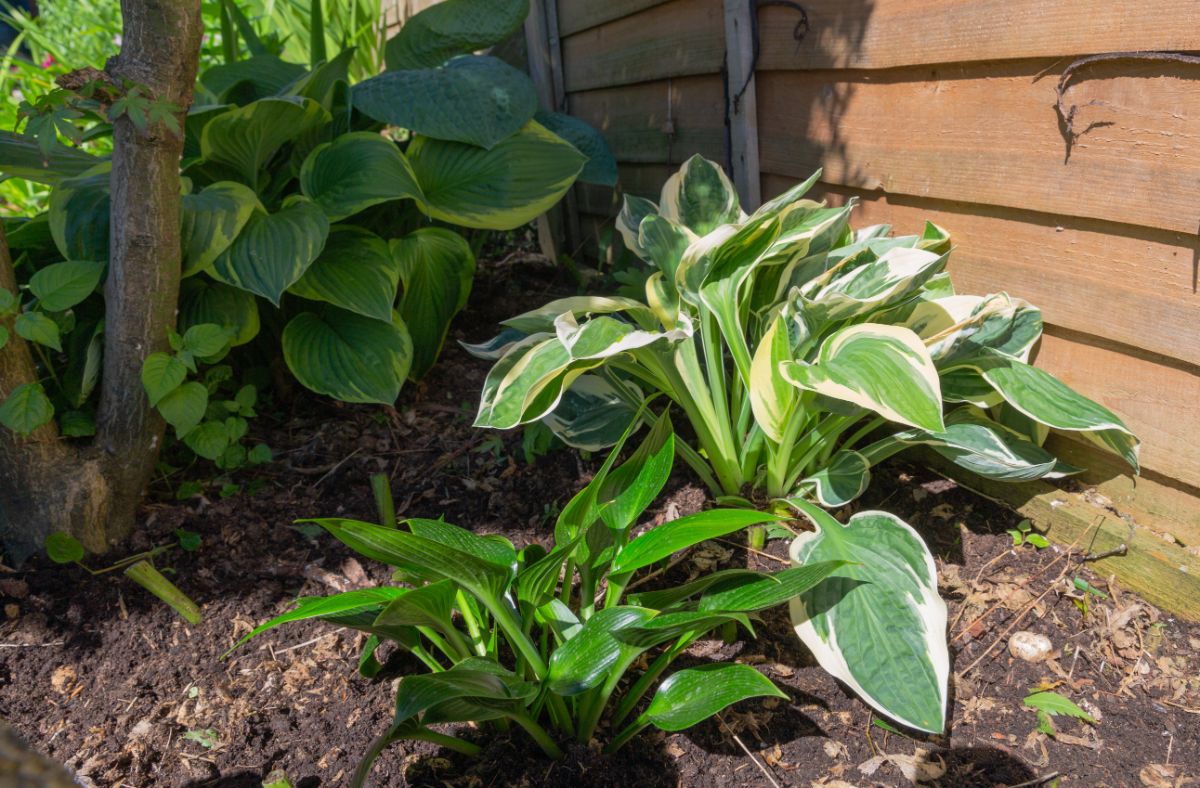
(676, 39)
(1088, 276)
(551, 227)
(872, 34)
(575, 16)
(644, 180)
(742, 109)
(989, 134)
(1165, 573)
(658, 122)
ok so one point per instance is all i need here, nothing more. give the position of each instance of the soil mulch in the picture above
(103, 678)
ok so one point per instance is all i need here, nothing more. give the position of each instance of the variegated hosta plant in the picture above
(803, 353)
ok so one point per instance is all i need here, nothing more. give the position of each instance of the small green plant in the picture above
(545, 638)
(1051, 704)
(1024, 534)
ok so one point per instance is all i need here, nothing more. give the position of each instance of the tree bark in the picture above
(93, 492)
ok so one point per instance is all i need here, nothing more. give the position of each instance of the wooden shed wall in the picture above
(945, 110)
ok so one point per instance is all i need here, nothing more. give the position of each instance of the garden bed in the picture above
(105, 679)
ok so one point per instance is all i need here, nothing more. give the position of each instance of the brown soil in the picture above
(115, 685)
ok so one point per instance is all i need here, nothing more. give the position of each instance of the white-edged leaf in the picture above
(592, 414)
(772, 398)
(700, 196)
(842, 480)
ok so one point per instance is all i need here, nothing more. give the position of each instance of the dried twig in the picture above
(746, 750)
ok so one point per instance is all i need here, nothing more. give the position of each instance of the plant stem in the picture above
(548, 745)
(517, 637)
(472, 623)
(624, 736)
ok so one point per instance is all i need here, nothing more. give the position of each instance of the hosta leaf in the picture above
(415, 694)
(76, 424)
(369, 600)
(79, 215)
(663, 598)
(1047, 400)
(26, 408)
(674, 625)
(183, 407)
(453, 27)
(700, 197)
(258, 76)
(878, 624)
(497, 346)
(437, 269)
(842, 480)
(592, 414)
(474, 100)
(544, 317)
(980, 445)
(246, 138)
(692, 695)
(356, 171)
(588, 658)
(427, 606)
(212, 219)
(634, 485)
(204, 300)
(354, 271)
(634, 211)
(500, 188)
(39, 328)
(859, 290)
(750, 593)
(772, 398)
(274, 250)
(669, 538)
(494, 549)
(601, 166)
(162, 374)
(348, 356)
(879, 367)
(85, 352)
(63, 285)
(22, 157)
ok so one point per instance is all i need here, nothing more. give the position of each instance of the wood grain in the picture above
(578, 15)
(886, 34)
(989, 134)
(676, 39)
(658, 122)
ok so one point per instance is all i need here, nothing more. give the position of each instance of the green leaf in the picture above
(188, 540)
(700, 197)
(255, 77)
(669, 538)
(1054, 704)
(260, 454)
(592, 413)
(494, 549)
(63, 285)
(601, 167)
(427, 606)
(750, 593)
(850, 291)
(501, 188)
(772, 398)
(162, 374)
(593, 653)
(76, 424)
(339, 607)
(203, 300)
(415, 694)
(692, 695)
(211, 220)
(355, 271)
(980, 445)
(634, 485)
(878, 624)
(205, 340)
(246, 138)
(22, 157)
(274, 250)
(79, 215)
(38, 327)
(348, 356)
(183, 408)
(209, 440)
(437, 269)
(879, 367)
(842, 480)
(356, 171)
(476, 100)
(62, 548)
(453, 27)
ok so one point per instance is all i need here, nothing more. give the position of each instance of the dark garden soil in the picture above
(100, 676)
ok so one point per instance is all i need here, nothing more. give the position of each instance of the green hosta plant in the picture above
(549, 638)
(802, 353)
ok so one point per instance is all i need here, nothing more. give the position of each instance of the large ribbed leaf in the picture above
(246, 138)
(245, 80)
(593, 653)
(437, 269)
(862, 289)
(348, 356)
(601, 167)
(355, 271)
(203, 300)
(879, 367)
(878, 623)
(22, 157)
(453, 27)
(274, 250)
(356, 171)
(476, 100)
(79, 215)
(700, 197)
(498, 189)
(211, 220)
(692, 695)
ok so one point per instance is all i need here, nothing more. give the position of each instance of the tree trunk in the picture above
(48, 485)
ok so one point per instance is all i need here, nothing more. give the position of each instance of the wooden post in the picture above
(551, 233)
(742, 109)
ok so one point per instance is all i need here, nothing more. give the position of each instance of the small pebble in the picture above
(1029, 646)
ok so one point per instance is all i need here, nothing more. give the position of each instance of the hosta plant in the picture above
(549, 638)
(803, 352)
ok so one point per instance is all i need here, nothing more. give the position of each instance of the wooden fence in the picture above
(946, 110)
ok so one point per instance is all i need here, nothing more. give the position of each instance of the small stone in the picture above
(1029, 646)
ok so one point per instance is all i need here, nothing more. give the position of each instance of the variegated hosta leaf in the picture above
(700, 197)
(246, 138)
(772, 398)
(1047, 400)
(964, 384)
(800, 253)
(274, 250)
(862, 289)
(629, 223)
(958, 327)
(347, 356)
(438, 270)
(882, 368)
(495, 347)
(665, 242)
(592, 415)
(355, 271)
(79, 214)
(204, 300)
(356, 171)
(842, 480)
(211, 220)
(877, 624)
(978, 444)
(543, 318)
